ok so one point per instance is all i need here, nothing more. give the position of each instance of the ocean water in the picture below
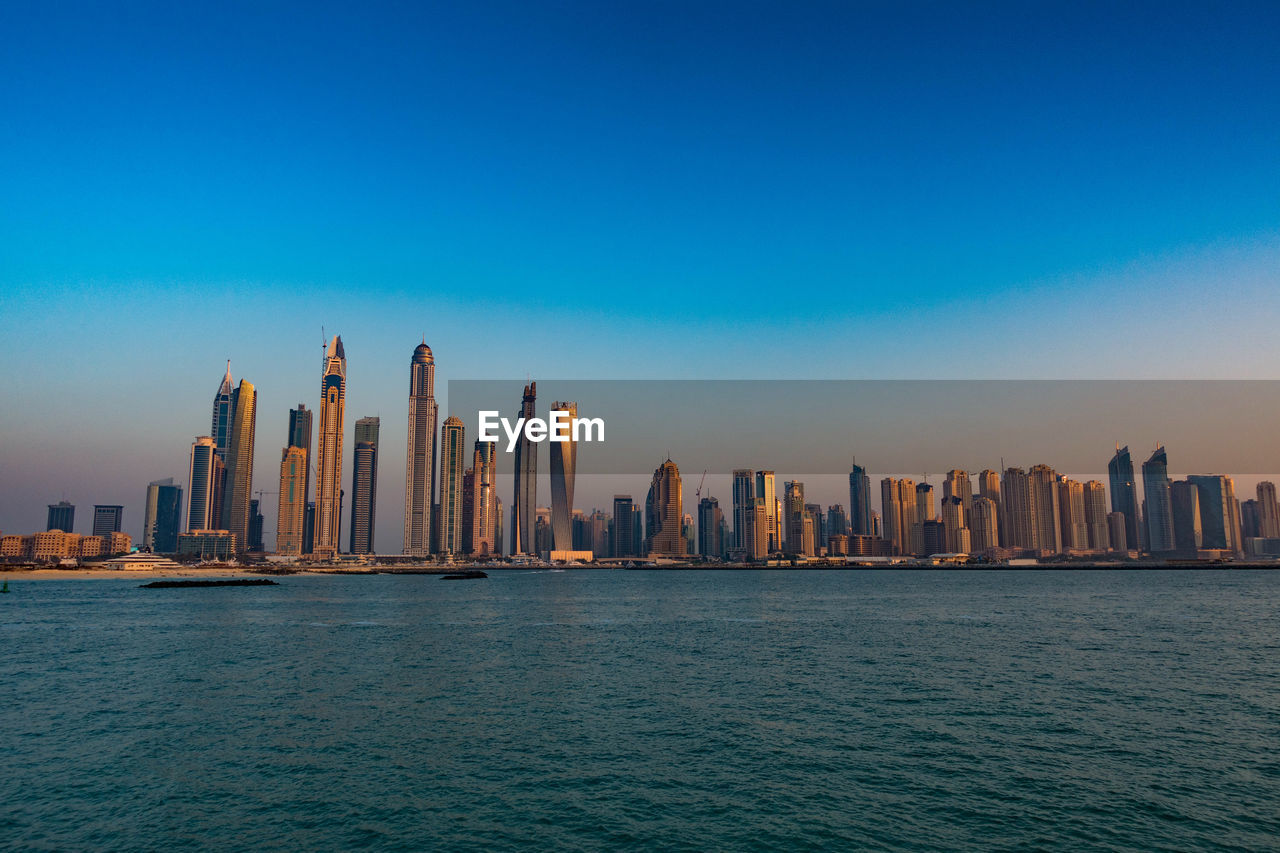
(694, 710)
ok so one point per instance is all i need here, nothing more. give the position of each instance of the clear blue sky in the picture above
(611, 189)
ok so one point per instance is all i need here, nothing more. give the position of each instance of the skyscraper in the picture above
(300, 437)
(793, 515)
(898, 503)
(1124, 495)
(1095, 515)
(767, 488)
(333, 395)
(989, 487)
(107, 519)
(420, 459)
(744, 491)
(564, 460)
(1268, 511)
(238, 488)
(220, 430)
(710, 523)
(1184, 505)
(1019, 510)
(957, 485)
(524, 504)
(255, 526)
(484, 519)
(1216, 496)
(364, 486)
(859, 500)
(1155, 489)
(623, 521)
(62, 516)
(452, 462)
(291, 517)
(162, 517)
(667, 540)
(1047, 517)
(202, 487)
(984, 532)
(1075, 533)
(958, 536)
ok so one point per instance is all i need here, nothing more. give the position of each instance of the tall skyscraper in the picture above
(255, 526)
(859, 500)
(238, 488)
(162, 517)
(957, 485)
(201, 483)
(1075, 530)
(1155, 489)
(107, 519)
(484, 519)
(1095, 515)
(364, 486)
(984, 532)
(452, 462)
(758, 530)
(958, 536)
(564, 461)
(1124, 495)
(793, 515)
(744, 492)
(623, 521)
(1216, 496)
(767, 488)
(667, 540)
(1268, 511)
(62, 516)
(898, 503)
(299, 437)
(837, 521)
(1184, 505)
(333, 396)
(420, 464)
(710, 523)
(291, 517)
(1019, 510)
(220, 429)
(989, 487)
(523, 519)
(1046, 514)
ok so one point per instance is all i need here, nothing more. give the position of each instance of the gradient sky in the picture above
(604, 190)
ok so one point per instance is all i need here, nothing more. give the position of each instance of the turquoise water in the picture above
(675, 710)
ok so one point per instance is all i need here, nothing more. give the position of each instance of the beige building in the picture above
(1075, 532)
(292, 505)
(668, 511)
(333, 398)
(984, 529)
(1095, 515)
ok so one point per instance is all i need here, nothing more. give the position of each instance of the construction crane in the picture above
(698, 493)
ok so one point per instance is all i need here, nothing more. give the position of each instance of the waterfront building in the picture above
(452, 461)
(525, 501)
(364, 485)
(1216, 496)
(1124, 495)
(1268, 511)
(668, 501)
(255, 527)
(744, 492)
(959, 538)
(201, 476)
(564, 462)
(767, 488)
(1184, 506)
(1071, 514)
(329, 434)
(623, 521)
(292, 506)
(1095, 515)
(898, 501)
(106, 519)
(220, 431)
(794, 515)
(484, 533)
(207, 544)
(1117, 531)
(1045, 510)
(958, 485)
(62, 516)
(837, 521)
(758, 530)
(1159, 512)
(989, 487)
(300, 436)
(1019, 510)
(859, 500)
(420, 458)
(238, 458)
(162, 517)
(710, 524)
(984, 525)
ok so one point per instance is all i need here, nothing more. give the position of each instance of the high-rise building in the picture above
(333, 398)
(898, 502)
(859, 500)
(837, 521)
(744, 492)
(668, 501)
(525, 502)
(1095, 515)
(958, 536)
(958, 485)
(1268, 511)
(623, 521)
(793, 516)
(62, 516)
(710, 522)
(984, 531)
(291, 516)
(1250, 520)
(989, 487)
(1044, 506)
(162, 517)
(483, 539)
(564, 461)
(106, 519)
(255, 526)
(201, 483)
(1124, 495)
(1075, 530)
(1216, 496)
(1184, 505)
(758, 530)
(767, 488)
(420, 464)
(220, 430)
(364, 486)
(1019, 510)
(1159, 514)
(300, 437)
(238, 488)
(452, 462)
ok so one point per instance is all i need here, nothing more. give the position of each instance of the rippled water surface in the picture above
(695, 710)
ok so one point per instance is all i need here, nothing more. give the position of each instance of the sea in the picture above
(646, 710)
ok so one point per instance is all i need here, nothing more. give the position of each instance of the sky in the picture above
(608, 190)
